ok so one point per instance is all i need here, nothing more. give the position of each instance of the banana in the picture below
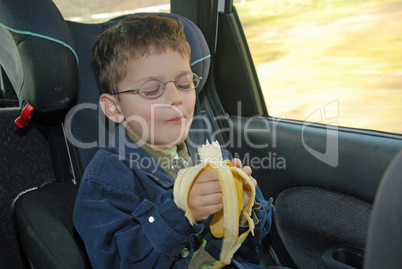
(225, 223)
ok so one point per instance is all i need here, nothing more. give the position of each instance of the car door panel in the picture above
(321, 203)
(312, 220)
(361, 158)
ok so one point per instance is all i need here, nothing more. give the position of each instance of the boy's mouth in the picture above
(175, 120)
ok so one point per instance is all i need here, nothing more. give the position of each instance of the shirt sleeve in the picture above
(121, 230)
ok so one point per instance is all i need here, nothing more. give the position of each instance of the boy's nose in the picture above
(172, 93)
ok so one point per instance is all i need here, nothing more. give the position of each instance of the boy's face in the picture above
(159, 123)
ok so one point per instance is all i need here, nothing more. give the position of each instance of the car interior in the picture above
(335, 189)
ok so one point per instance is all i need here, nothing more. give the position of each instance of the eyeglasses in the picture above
(153, 88)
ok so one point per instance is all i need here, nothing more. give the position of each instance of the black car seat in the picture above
(44, 215)
(38, 73)
(384, 243)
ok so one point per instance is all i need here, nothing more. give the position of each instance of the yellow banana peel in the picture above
(225, 223)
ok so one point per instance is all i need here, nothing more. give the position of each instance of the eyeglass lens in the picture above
(154, 88)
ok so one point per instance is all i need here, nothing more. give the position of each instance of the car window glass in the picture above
(93, 11)
(331, 61)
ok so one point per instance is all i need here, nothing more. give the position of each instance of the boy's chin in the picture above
(163, 145)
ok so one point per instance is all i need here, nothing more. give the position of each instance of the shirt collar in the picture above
(137, 159)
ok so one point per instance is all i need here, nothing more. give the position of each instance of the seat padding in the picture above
(384, 242)
(37, 54)
(46, 229)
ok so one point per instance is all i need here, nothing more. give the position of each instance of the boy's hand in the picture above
(246, 188)
(205, 196)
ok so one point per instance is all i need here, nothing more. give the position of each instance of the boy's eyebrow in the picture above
(156, 77)
(139, 81)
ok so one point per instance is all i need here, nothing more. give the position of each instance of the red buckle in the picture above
(26, 116)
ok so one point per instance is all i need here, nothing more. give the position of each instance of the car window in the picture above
(93, 11)
(333, 61)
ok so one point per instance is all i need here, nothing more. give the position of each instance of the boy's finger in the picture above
(206, 188)
(207, 175)
(253, 181)
(210, 199)
(236, 162)
(246, 185)
(247, 170)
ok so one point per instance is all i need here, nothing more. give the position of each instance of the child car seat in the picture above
(38, 44)
(38, 63)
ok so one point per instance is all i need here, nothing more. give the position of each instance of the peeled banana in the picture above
(225, 223)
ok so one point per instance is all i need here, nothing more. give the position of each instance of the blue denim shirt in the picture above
(126, 215)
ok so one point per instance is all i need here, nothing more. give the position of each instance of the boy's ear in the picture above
(110, 107)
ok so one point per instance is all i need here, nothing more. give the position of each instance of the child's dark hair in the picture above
(132, 38)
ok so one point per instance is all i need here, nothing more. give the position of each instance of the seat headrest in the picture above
(37, 54)
(200, 54)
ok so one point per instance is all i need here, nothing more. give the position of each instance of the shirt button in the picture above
(151, 219)
(185, 252)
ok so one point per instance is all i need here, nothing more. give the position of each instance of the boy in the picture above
(124, 210)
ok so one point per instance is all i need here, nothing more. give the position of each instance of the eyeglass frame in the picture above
(137, 91)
